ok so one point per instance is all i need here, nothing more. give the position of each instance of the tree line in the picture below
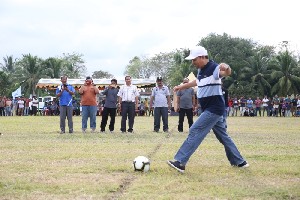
(28, 70)
(257, 69)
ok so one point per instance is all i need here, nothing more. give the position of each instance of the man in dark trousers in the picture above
(128, 104)
(110, 106)
(185, 105)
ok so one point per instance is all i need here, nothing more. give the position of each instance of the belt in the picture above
(127, 101)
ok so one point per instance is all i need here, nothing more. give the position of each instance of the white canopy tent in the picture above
(100, 83)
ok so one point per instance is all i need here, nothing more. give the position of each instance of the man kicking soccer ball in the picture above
(211, 100)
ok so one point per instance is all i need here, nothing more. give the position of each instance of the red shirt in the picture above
(230, 103)
(258, 102)
(88, 97)
(27, 102)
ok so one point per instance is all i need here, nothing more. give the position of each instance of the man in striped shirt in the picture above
(211, 100)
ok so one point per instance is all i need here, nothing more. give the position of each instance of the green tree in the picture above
(7, 78)
(5, 84)
(256, 70)
(28, 71)
(54, 67)
(161, 65)
(133, 67)
(139, 67)
(181, 68)
(101, 74)
(231, 50)
(234, 85)
(284, 67)
(9, 65)
(73, 65)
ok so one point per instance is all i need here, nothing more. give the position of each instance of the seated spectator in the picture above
(251, 112)
(246, 112)
(76, 108)
(142, 109)
(297, 112)
(53, 108)
(45, 110)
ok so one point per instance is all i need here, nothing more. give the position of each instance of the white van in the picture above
(43, 100)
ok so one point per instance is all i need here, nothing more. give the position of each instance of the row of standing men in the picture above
(125, 99)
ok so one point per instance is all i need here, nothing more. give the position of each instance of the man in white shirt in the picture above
(128, 104)
(265, 105)
(21, 105)
(34, 105)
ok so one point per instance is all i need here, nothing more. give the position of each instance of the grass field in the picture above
(36, 162)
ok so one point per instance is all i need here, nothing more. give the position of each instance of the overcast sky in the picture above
(109, 33)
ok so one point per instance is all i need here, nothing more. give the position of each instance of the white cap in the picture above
(197, 51)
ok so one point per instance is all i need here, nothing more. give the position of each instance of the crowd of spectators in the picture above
(267, 106)
(276, 106)
(21, 106)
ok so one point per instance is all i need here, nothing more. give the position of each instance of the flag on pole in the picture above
(16, 93)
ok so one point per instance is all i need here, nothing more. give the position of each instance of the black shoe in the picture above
(123, 130)
(166, 131)
(155, 131)
(62, 132)
(180, 131)
(130, 131)
(243, 164)
(176, 165)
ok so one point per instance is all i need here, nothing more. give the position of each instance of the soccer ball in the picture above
(141, 163)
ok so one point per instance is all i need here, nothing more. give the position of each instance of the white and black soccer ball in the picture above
(141, 163)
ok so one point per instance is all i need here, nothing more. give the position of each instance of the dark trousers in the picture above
(34, 110)
(161, 112)
(265, 108)
(2, 111)
(258, 111)
(128, 109)
(189, 115)
(105, 113)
